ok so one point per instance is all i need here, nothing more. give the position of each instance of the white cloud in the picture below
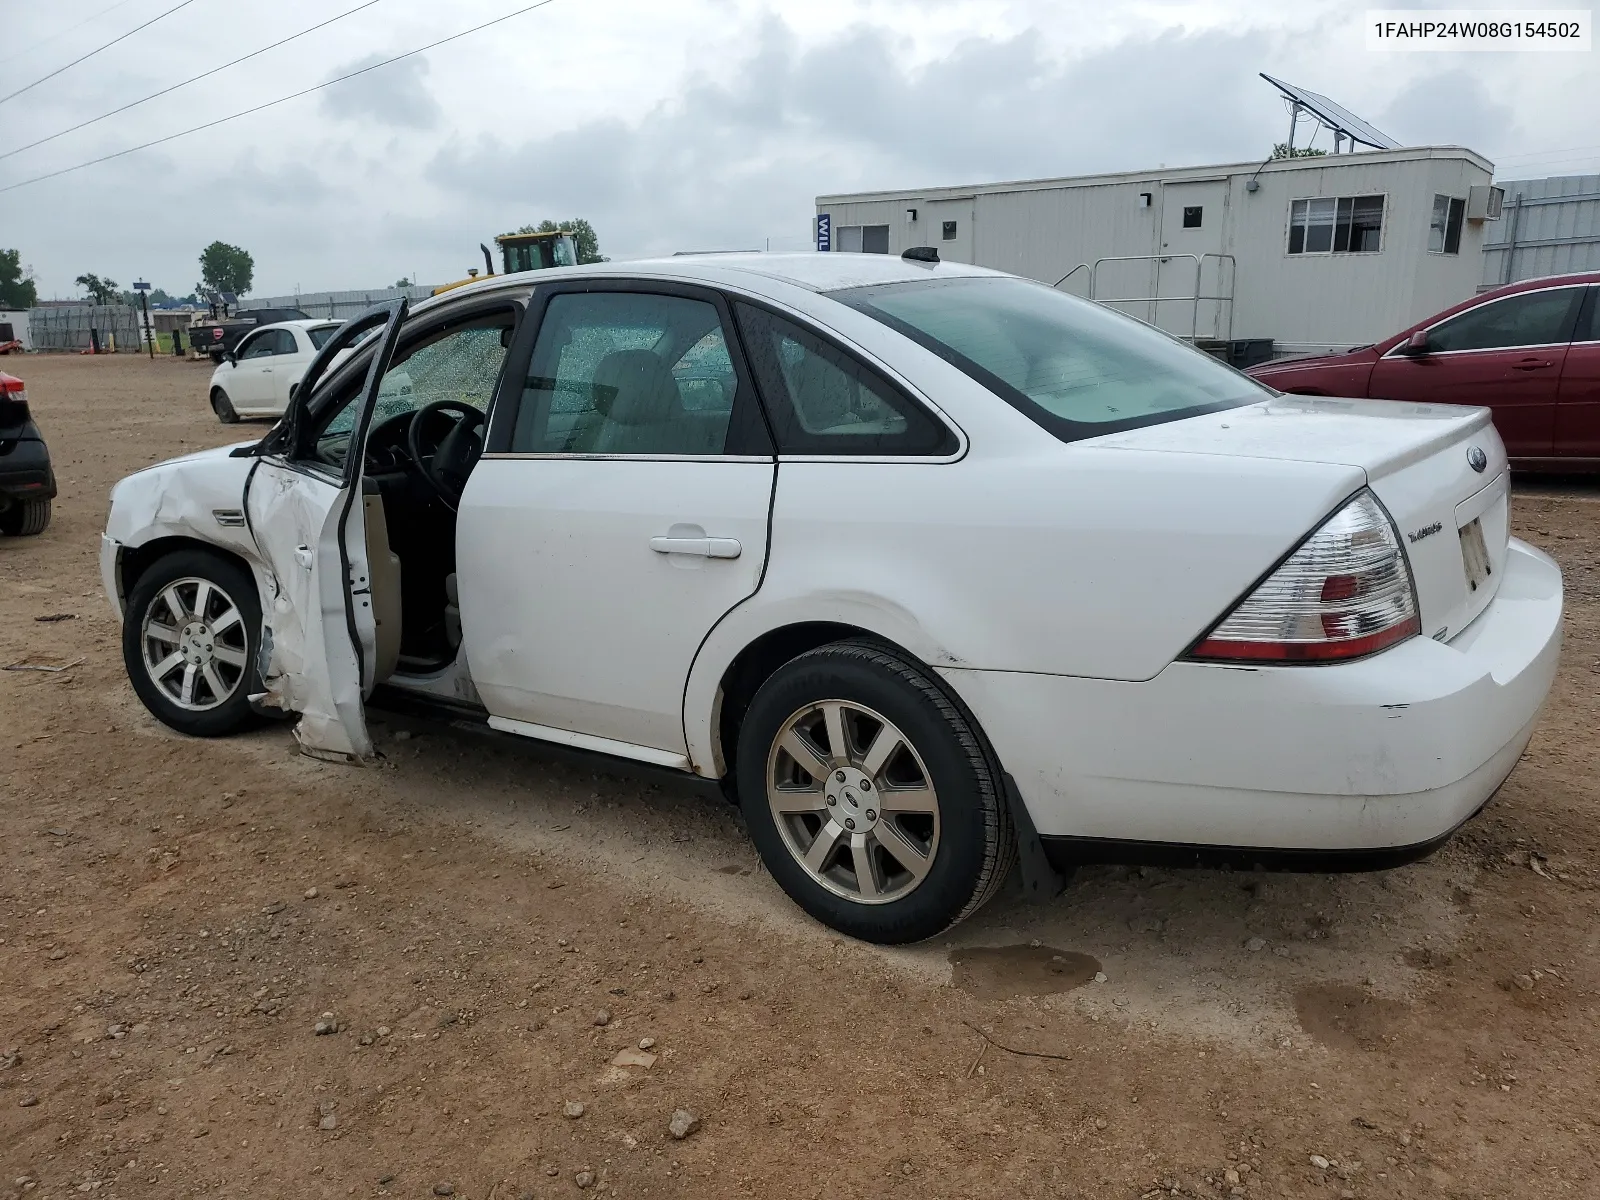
(390, 95)
(680, 126)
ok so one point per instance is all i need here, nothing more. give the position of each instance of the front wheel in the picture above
(223, 407)
(189, 642)
(870, 796)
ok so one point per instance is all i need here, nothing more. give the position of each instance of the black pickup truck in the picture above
(218, 337)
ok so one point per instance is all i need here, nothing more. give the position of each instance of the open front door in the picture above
(319, 638)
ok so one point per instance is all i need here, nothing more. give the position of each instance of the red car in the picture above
(1529, 351)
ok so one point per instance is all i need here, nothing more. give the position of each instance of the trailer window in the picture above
(1444, 230)
(1336, 225)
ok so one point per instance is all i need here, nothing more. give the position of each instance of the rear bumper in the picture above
(25, 472)
(1389, 753)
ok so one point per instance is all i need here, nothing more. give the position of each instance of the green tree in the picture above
(402, 282)
(583, 237)
(102, 291)
(16, 289)
(1281, 150)
(225, 268)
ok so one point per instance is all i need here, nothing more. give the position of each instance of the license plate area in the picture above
(1475, 555)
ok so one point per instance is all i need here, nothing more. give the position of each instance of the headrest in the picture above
(634, 387)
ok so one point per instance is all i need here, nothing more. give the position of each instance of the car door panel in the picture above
(1506, 354)
(319, 643)
(1578, 400)
(248, 377)
(288, 365)
(1519, 385)
(617, 516)
(587, 626)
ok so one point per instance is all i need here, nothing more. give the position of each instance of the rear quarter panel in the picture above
(1068, 560)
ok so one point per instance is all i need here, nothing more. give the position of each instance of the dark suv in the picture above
(27, 484)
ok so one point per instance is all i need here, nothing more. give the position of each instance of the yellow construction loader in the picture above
(523, 252)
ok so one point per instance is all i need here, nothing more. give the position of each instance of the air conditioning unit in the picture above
(1484, 201)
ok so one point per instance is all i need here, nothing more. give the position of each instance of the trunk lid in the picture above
(1439, 470)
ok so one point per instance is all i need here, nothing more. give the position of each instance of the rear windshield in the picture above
(1077, 368)
(319, 334)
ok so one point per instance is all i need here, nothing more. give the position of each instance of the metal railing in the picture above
(1192, 298)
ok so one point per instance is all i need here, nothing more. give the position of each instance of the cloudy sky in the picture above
(696, 124)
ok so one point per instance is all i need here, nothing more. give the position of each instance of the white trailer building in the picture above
(1312, 253)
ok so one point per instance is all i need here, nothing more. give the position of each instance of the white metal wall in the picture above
(1044, 229)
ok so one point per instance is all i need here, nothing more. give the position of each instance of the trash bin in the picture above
(1249, 352)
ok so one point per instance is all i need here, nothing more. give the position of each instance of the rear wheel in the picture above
(189, 642)
(870, 795)
(223, 407)
(25, 518)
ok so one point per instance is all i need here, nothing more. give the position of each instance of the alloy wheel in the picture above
(194, 643)
(853, 801)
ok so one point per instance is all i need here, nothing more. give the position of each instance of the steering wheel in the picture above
(445, 457)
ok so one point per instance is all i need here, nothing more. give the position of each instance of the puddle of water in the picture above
(1344, 1017)
(1005, 972)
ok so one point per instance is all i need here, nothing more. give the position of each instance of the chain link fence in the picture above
(338, 306)
(68, 326)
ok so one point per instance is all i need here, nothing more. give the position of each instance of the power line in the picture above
(192, 79)
(56, 37)
(272, 103)
(96, 50)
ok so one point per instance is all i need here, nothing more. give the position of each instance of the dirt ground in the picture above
(490, 927)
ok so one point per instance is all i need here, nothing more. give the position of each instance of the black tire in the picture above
(976, 845)
(223, 407)
(25, 518)
(233, 714)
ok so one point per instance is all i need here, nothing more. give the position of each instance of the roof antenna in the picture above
(921, 254)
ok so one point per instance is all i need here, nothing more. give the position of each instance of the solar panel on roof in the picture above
(1335, 116)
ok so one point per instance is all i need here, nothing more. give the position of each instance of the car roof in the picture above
(814, 271)
(1540, 281)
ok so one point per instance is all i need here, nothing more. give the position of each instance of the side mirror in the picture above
(229, 357)
(1416, 346)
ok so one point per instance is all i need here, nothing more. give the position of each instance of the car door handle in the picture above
(303, 556)
(703, 547)
(1532, 364)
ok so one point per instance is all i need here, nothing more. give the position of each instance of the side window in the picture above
(627, 373)
(257, 345)
(822, 401)
(1527, 319)
(1589, 325)
(458, 362)
(282, 341)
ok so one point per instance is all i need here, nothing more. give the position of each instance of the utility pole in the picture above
(144, 304)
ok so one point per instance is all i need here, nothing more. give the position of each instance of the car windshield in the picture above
(319, 334)
(1077, 368)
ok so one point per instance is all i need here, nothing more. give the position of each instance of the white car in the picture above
(261, 375)
(927, 564)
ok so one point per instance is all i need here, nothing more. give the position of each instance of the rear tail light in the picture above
(13, 400)
(1346, 592)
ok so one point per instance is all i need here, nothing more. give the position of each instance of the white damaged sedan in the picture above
(928, 565)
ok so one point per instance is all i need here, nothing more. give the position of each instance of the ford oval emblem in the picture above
(1477, 459)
